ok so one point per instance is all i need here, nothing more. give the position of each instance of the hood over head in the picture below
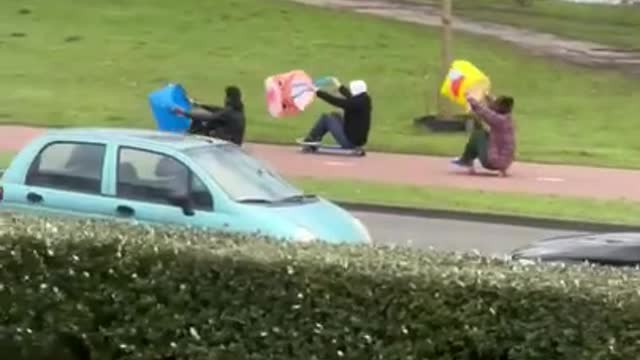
(233, 98)
(357, 87)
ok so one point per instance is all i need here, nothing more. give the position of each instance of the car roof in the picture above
(153, 137)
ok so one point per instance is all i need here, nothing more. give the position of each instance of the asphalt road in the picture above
(451, 235)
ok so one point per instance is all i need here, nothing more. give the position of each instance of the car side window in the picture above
(200, 195)
(153, 177)
(70, 166)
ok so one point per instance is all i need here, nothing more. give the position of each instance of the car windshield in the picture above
(242, 177)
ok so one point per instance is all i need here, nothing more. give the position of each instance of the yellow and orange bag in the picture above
(465, 77)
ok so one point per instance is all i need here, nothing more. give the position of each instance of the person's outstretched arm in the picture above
(211, 108)
(180, 112)
(214, 113)
(219, 117)
(201, 122)
(333, 100)
(344, 91)
(489, 116)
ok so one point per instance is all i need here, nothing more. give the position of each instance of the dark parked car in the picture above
(614, 249)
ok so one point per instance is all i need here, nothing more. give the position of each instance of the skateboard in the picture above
(313, 147)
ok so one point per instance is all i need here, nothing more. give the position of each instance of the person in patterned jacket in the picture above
(494, 142)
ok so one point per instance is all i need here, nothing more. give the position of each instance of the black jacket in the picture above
(357, 113)
(227, 123)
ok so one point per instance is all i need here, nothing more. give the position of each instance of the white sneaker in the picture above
(460, 165)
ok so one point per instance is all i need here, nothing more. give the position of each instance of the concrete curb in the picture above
(544, 223)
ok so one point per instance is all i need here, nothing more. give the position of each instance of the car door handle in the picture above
(34, 198)
(125, 211)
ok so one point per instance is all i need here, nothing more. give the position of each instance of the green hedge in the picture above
(142, 293)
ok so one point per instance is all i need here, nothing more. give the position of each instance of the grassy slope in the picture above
(94, 63)
(615, 212)
(608, 25)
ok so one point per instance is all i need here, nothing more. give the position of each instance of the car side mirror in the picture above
(184, 202)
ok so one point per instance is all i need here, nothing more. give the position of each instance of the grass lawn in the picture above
(5, 159)
(67, 62)
(613, 212)
(608, 25)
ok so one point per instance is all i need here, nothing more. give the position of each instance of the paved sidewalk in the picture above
(418, 170)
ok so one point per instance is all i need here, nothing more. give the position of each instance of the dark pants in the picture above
(477, 148)
(330, 123)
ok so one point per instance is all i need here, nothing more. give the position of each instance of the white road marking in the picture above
(337, 163)
(550, 179)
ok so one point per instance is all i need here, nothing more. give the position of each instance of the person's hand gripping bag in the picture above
(289, 94)
(464, 78)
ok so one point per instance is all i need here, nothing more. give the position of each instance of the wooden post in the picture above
(446, 57)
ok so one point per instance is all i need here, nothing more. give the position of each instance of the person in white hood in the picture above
(351, 128)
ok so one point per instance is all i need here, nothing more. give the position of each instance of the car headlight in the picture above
(303, 235)
(363, 229)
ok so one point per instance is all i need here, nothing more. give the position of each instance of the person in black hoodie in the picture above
(227, 123)
(350, 129)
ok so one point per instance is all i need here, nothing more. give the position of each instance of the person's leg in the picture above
(482, 147)
(336, 128)
(319, 129)
(473, 148)
(196, 126)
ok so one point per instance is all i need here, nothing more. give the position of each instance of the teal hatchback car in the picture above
(164, 178)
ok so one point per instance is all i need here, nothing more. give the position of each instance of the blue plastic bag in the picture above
(162, 101)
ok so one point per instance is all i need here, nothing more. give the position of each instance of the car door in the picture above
(145, 182)
(65, 178)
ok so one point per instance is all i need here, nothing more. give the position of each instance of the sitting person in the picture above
(493, 142)
(227, 123)
(350, 129)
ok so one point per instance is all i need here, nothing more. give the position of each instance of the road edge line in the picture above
(534, 222)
